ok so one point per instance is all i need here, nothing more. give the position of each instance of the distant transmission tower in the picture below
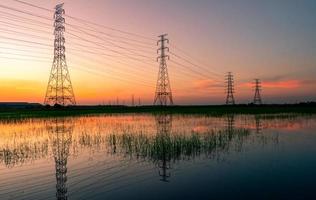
(230, 89)
(257, 98)
(59, 89)
(133, 100)
(163, 89)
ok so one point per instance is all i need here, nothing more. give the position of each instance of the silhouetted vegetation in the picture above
(46, 111)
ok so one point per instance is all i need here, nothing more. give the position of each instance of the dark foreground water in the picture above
(159, 157)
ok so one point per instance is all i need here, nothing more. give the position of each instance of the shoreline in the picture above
(42, 111)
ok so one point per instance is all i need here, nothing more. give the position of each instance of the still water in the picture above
(159, 157)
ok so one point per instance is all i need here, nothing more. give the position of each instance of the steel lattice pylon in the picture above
(59, 88)
(257, 97)
(230, 100)
(163, 89)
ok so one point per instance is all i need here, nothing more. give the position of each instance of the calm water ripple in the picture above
(159, 157)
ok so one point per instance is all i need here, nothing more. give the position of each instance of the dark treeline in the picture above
(38, 110)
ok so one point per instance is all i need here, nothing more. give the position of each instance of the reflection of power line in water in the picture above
(61, 139)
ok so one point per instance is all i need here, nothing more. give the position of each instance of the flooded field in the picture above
(159, 157)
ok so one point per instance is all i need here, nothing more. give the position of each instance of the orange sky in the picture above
(267, 40)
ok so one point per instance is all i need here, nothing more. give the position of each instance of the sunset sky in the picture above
(272, 40)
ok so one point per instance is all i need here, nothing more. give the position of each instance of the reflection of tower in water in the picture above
(164, 126)
(258, 124)
(230, 122)
(61, 133)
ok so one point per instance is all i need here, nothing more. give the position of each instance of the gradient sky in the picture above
(273, 40)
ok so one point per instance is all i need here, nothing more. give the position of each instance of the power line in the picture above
(186, 60)
(87, 22)
(94, 72)
(118, 46)
(200, 74)
(29, 21)
(35, 6)
(25, 12)
(73, 35)
(192, 58)
(106, 48)
(115, 36)
(132, 50)
(24, 59)
(10, 16)
(110, 69)
(25, 27)
(18, 54)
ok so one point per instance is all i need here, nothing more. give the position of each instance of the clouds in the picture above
(282, 84)
(206, 84)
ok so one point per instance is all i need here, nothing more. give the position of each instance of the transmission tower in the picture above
(163, 89)
(133, 101)
(59, 89)
(257, 99)
(230, 89)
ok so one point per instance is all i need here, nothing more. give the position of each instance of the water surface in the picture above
(159, 157)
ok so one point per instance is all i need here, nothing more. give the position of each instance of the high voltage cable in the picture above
(29, 55)
(25, 27)
(47, 18)
(132, 67)
(14, 26)
(33, 5)
(38, 59)
(25, 41)
(106, 48)
(23, 50)
(11, 16)
(107, 64)
(110, 35)
(113, 29)
(24, 59)
(85, 21)
(29, 21)
(18, 54)
(95, 43)
(25, 12)
(187, 67)
(98, 46)
(141, 47)
(188, 55)
(104, 74)
(25, 45)
(108, 55)
(188, 74)
(46, 31)
(118, 46)
(180, 57)
(108, 40)
(43, 38)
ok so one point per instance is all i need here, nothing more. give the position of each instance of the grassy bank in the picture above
(208, 110)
